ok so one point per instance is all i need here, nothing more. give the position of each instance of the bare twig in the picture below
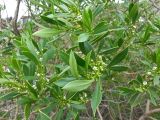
(147, 106)
(149, 112)
(99, 113)
(14, 22)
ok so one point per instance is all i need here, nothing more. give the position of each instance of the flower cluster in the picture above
(98, 67)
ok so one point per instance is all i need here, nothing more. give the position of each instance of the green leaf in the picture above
(109, 51)
(31, 89)
(78, 85)
(87, 60)
(156, 80)
(62, 82)
(49, 54)
(25, 100)
(64, 70)
(31, 56)
(85, 47)
(139, 79)
(101, 27)
(87, 18)
(96, 98)
(73, 64)
(59, 115)
(43, 116)
(126, 91)
(98, 10)
(119, 68)
(153, 95)
(64, 57)
(133, 11)
(52, 21)
(119, 57)
(16, 64)
(83, 37)
(27, 111)
(157, 57)
(135, 99)
(79, 60)
(100, 37)
(46, 33)
(146, 35)
(9, 96)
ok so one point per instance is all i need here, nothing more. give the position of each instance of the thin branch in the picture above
(99, 113)
(147, 106)
(14, 22)
(149, 112)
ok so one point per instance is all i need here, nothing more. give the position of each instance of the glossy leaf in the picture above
(46, 33)
(133, 11)
(73, 65)
(109, 51)
(119, 57)
(78, 85)
(83, 37)
(119, 68)
(156, 80)
(43, 116)
(27, 111)
(96, 98)
(49, 54)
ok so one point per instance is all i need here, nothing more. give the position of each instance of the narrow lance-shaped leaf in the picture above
(83, 37)
(119, 57)
(96, 98)
(49, 54)
(46, 33)
(78, 85)
(119, 68)
(156, 80)
(27, 111)
(43, 116)
(73, 65)
(133, 12)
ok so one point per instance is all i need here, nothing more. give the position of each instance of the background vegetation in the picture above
(81, 60)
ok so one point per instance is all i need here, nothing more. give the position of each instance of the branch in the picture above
(99, 113)
(149, 112)
(15, 18)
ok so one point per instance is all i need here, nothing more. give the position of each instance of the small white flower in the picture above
(103, 63)
(141, 19)
(47, 80)
(134, 27)
(40, 59)
(37, 53)
(79, 17)
(149, 73)
(34, 86)
(7, 70)
(81, 98)
(85, 94)
(144, 82)
(101, 68)
(38, 74)
(100, 57)
(64, 97)
(95, 68)
(68, 105)
(154, 68)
